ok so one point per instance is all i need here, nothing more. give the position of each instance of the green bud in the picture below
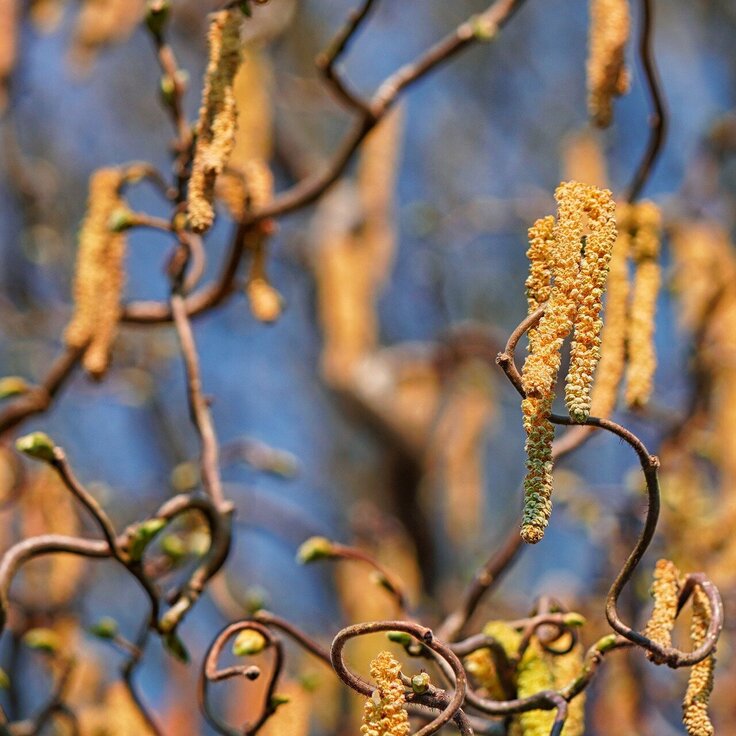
(37, 445)
(142, 535)
(13, 386)
(278, 700)
(420, 683)
(120, 220)
(245, 8)
(315, 548)
(400, 637)
(249, 642)
(167, 88)
(173, 547)
(483, 29)
(574, 619)
(157, 14)
(42, 640)
(105, 628)
(310, 681)
(175, 646)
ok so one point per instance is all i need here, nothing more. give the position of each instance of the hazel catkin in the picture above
(647, 277)
(99, 276)
(217, 117)
(384, 713)
(700, 683)
(585, 349)
(608, 76)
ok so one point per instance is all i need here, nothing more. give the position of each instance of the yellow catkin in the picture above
(665, 591)
(217, 117)
(585, 349)
(573, 292)
(100, 275)
(480, 664)
(566, 668)
(543, 363)
(540, 432)
(534, 675)
(608, 76)
(384, 713)
(700, 683)
(642, 355)
(613, 336)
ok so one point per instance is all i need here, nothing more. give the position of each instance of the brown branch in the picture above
(658, 116)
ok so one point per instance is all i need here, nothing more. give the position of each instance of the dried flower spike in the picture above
(642, 355)
(384, 713)
(217, 117)
(665, 591)
(608, 76)
(100, 276)
(700, 684)
(585, 349)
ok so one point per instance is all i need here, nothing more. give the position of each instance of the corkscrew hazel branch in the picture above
(426, 638)
(650, 465)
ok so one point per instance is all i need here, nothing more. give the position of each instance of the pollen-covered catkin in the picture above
(585, 349)
(613, 336)
(100, 276)
(608, 76)
(217, 117)
(647, 277)
(665, 591)
(384, 713)
(543, 363)
(539, 282)
(538, 481)
(700, 684)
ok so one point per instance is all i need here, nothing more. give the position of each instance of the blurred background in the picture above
(371, 412)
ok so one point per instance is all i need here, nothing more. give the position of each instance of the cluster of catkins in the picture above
(569, 261)
(384, 714)
(536, 670)
(628, 332)
(666, 594)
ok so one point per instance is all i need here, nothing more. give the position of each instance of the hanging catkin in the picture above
(613, 336)
(642, 358)
(217, 117)
(608, 76)
(100, 276)
(700, 683)
(585, 349)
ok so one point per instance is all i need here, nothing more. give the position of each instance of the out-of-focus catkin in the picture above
(700, 684)
(481, 665)
(585, 349)
(608, 76)
(100, 275)
(642, 355)
(384, 713)
(217, 117)
(101, 23)
(613, 336)
(533, 676)
(665, 592)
